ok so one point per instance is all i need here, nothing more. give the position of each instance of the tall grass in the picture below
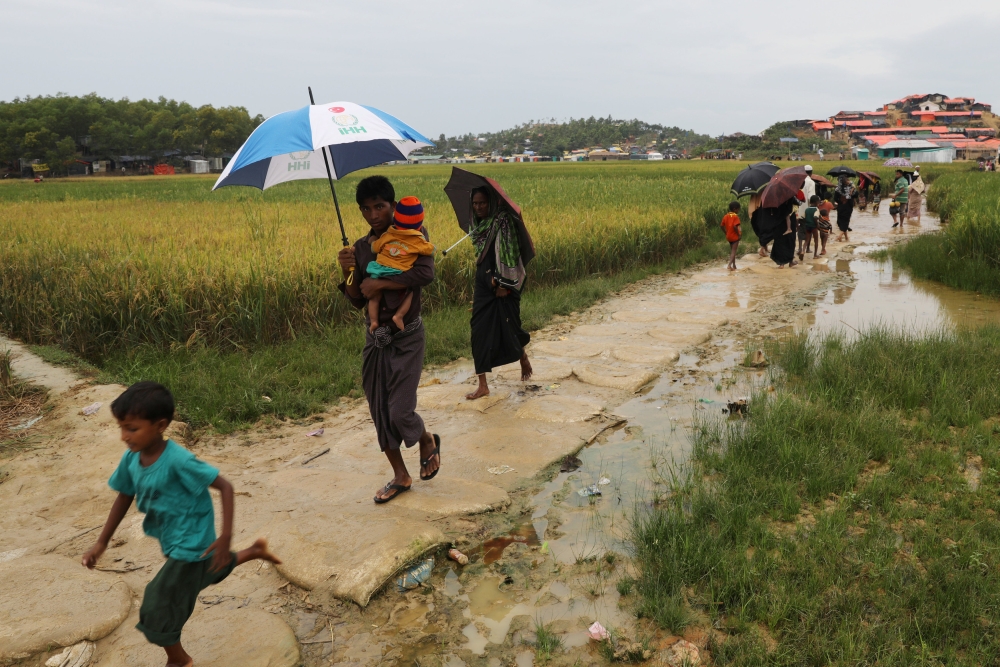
(834, 525)
(966, 254)
(104, 265)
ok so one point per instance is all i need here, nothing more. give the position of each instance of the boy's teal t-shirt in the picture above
(173, 494)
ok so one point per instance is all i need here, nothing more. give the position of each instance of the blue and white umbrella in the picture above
(287, 147)
(320, 141)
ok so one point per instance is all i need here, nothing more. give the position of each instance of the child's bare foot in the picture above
(177, 656)
(787, 233)
(257, 551)
(397, 319)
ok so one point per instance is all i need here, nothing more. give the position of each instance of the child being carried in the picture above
(396, 251)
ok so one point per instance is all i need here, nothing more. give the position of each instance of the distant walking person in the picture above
(900, 197)
(844, 198)
(497, 336)
(915, 195)
(731, 225)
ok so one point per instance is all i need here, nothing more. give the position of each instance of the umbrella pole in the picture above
(333, 191)
(444, 253)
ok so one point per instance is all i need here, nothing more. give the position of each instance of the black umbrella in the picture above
(753, 179)
(842, 171)
(459, 191)
(766, 166)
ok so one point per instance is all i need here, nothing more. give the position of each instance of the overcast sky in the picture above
(447, 66)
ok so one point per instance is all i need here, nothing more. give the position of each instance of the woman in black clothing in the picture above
(497, 336)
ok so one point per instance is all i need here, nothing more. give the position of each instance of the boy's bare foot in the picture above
(482, 390)
(526, 369)
(257, 551)
(177, 656)
(397, 319)
(787, 233)
(762, 252)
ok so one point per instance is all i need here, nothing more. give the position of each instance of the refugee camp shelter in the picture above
(909, 148)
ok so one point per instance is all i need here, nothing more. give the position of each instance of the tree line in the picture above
(553, 138)
(56, 129)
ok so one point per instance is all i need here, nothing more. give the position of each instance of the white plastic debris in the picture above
(28, 424)
(91, 409)
(316, 433)
(500, 470)
(598, 632)
(78, 655)
(591, 490)
(603, 481)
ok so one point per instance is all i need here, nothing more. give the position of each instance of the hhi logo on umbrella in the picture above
(348, 122)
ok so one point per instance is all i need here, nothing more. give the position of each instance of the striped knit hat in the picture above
(409, 213)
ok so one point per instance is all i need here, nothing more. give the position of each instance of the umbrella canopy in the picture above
(753, 179)
(821, 180)
(842, 171)
(459, 191)
(897, 162)
(871, 176)
(783, 186)
(286, 147)
(766, 166)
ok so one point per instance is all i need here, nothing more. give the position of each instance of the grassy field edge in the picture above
(850, 519)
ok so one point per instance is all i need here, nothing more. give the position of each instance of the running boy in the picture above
(731, 223)
(172, 488)
(396, 251)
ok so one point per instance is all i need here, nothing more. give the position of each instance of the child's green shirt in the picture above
(810, 217)
(173, 494)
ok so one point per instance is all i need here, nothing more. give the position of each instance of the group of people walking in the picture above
(804, 220)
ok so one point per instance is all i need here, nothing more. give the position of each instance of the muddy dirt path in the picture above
(614, 393)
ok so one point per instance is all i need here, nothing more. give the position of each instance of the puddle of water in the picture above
(487, 600)
(412, 616)
(882, 293)
(452, 586)
(493, 549)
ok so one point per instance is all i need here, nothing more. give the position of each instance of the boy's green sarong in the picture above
(170, 597)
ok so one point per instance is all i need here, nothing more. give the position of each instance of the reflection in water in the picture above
(883, 294)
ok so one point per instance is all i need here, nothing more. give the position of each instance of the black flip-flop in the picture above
(399, 488)
(424, 462)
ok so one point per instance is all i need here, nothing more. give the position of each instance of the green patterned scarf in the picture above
(502, 226)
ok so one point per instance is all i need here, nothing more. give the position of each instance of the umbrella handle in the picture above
(350, 277)
(444, 253)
